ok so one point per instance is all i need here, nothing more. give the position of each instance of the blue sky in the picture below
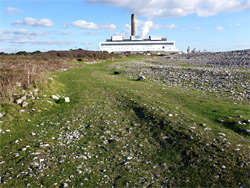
(215, 25)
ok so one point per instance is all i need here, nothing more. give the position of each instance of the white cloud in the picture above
(84, 25)
(90, 25)
(50, 42)
(34, 22)
(235, 25)
(177, 8)
(219, 28)
(12, 11)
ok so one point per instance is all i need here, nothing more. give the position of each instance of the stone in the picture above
(220, 120)
(24, 104)
(207, 129)
(129, 158)
(55, 97)
(19, 101)
(34, 165)
(141, 77)
(202, 124)
(221, 134)
(66, 99)
(238, 116)
(223, 166)
(2, 114)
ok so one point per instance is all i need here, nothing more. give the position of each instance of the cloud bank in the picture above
(177, 8)
(34, 22)
(90, 25)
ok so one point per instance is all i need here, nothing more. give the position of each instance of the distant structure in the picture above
(136, 44)
(188, 50)
(133, 25)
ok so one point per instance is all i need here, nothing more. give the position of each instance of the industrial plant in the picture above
(137, 44)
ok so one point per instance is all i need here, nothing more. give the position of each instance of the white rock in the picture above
(223, 166)
(55, 97)
(141, 77)
(170, 115)
(1, 114)
(207, 129)
(34, 164)
(129, 158)
(221, 134)
(66, 99)
(24, 104)
(44, 145)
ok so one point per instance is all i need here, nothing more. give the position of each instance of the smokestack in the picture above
(133, 25)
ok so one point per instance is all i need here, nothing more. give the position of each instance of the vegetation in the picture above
(119, 132)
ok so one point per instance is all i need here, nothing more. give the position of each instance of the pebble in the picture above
(202, 124)
(223, 166)
(129, 158)
(66, 99)
(34, 164)
(55, 97)
(221, 134)
(170, 115)
(207, 129)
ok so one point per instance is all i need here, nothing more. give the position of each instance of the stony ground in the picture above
(119, 132)
(225, 74)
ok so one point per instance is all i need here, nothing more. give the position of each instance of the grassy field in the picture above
(117, 131)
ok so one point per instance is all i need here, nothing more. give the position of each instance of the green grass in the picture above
(118, 118)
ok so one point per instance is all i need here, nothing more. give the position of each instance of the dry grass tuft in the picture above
(24, 71)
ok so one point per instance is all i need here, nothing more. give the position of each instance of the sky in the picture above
(212, 25)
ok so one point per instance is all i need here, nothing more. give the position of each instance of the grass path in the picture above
(123, 133)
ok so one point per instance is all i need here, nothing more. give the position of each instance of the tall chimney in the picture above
(133, 25)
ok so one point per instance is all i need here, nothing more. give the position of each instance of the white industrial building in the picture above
(118, 44)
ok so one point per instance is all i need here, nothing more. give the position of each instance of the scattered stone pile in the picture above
(224, 74)
(232, 59)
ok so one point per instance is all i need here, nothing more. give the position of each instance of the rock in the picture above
(223, 166)
(202, 124)
(55, 97)
(24, 104)
(44, 145)
(190, 138)
(207, 129)
(2, 114)
(220, 120)
(239, 116)
(141, 77)
(247, 121)
(34, 165)
(221, 134)
(170, 115)
(129, 158)
(64, 185)
(66, 99)
(18, 101)
(78, 171)
(247, 130)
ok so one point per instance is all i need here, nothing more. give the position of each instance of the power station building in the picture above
(118, 44)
